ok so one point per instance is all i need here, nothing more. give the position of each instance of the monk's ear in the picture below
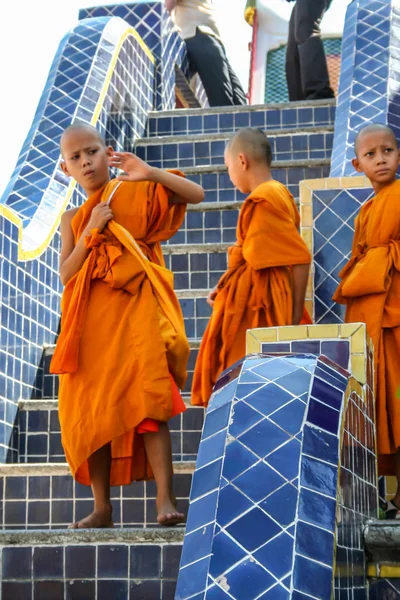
(110, 150)
(244, 161)
(356, 164)
(64, 168)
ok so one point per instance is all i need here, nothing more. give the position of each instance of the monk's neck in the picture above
(258, 176)
(91, 192)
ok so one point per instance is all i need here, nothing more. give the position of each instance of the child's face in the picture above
(377, 157)
(237, 167)
(86, 159)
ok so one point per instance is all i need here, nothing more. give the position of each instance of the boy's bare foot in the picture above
(168, 516)
(99, 519)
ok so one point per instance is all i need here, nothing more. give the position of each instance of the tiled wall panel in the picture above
(368, 90)
(287, 439)
(153, 23)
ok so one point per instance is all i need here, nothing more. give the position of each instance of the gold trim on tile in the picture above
(358, 341)
(358, 367)
(295, 332)
(323, 331)
(25, 255)
(306, 215)
(384, 571)
(252, 343)
(347, 329)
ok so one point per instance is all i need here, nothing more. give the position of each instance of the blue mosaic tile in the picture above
(278, 554)
(225, 554)
(232, 504)
(281, 505)
(319, 476)
(248, 580)
(263, 438)
(312, 578)
(259, 481)
(370, 34)
(237, 460)
(253, 529)
(204, 512)
(206, 479)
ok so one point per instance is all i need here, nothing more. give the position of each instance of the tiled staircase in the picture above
(41, 559)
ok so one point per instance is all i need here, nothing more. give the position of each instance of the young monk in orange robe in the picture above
(370, 286)
(122, 350)
(268, 266)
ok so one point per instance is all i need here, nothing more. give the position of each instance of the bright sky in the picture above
(32, 29)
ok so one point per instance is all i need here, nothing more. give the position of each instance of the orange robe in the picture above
(116, 368)
(370, 288)
(256, 290)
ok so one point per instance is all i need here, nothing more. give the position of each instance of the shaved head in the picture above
(77, 128)
(253, 143)
(373, 128)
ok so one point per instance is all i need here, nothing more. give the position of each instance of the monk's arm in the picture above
(185, 191)
(136, 169)
(73, 256)
(299, 279)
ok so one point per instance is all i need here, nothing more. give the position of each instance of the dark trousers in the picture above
(207, 57)
(306, 71)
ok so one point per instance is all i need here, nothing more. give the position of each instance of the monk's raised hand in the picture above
(211, 297)
(100, 216)
(134, 167)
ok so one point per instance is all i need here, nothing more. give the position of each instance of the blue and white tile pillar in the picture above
(286, 440)
(369, 88)
(155, 26)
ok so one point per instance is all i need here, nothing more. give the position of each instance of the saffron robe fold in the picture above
(256, 290)
(111, 351)
(370, 288)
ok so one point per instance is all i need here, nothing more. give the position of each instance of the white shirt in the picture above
(190, 14)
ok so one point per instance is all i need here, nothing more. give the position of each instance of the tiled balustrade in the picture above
(288, 437)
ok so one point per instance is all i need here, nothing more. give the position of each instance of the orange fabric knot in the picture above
(106, 251)
(235, 257)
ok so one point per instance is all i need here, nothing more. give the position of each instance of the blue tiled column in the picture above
(369, 88)
(285, 442)
(153, 23)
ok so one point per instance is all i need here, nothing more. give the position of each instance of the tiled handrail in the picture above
(88, 81)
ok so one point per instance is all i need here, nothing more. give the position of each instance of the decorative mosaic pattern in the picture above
(368, 90)
(39, 437)
(328, 209)
(152, 22)
(40, 501)
(221, 120)
(38, 192)
(120, 571)
(276, 86)
(264, 494)
(209, 150)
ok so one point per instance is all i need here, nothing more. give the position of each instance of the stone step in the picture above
(196, 266)
(39, 437)
(177, 152)
(50, 382)
(106, 564)
(45, 496)
(228, 119)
